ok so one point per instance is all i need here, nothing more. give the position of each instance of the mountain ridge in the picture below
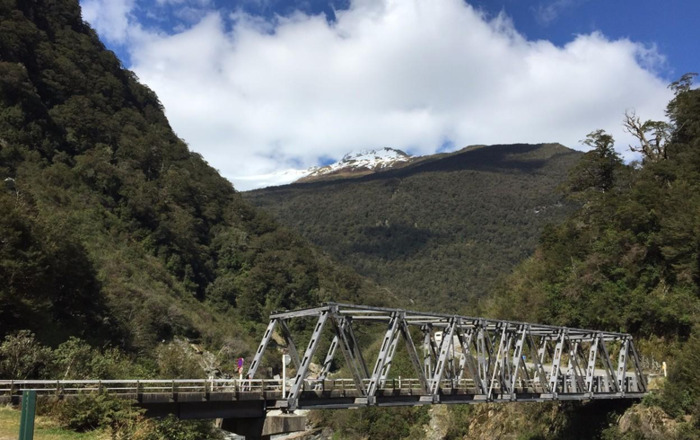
(491, 200)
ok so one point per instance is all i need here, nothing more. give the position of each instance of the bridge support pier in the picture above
(263, 427)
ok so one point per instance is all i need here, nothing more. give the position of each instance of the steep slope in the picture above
(435, 231)
(111, 229)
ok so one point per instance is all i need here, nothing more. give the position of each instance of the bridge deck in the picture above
(330, 393)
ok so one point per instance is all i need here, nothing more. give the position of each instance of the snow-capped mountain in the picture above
(361, 162)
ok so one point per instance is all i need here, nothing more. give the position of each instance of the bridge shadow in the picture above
(587, 420)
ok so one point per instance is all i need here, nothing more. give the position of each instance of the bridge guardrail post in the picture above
(139, 390)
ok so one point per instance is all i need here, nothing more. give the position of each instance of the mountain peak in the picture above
(361, 162)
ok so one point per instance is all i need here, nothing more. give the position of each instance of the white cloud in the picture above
(109, 17)
(255, 96)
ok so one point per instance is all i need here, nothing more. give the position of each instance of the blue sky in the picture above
(262, 86)
(670, 25)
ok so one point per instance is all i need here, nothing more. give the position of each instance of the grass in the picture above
(44, 428)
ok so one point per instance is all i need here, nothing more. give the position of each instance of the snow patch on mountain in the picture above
(366, 160)
(359, 162)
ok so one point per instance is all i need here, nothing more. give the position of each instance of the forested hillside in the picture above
(112, 230)
(437, 231)
(629, 259)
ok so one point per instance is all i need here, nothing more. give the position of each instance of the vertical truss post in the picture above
(506, 371)
(573, 369)
(543, 349)
(298, 385)
(350, 349)
(445, 344)
(261, 348)
(428, 349)
(535, 353)
(383, 359)
(590, 369)
(517, 358)
(482, 353)
(556, 360)
(501, 357)
(413, 354)
(291, 347)
(468, 361)
(622, 366)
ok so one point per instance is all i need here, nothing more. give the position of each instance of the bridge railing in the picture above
(139, 386)
(267, 388)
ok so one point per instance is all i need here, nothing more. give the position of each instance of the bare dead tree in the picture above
(653, 136)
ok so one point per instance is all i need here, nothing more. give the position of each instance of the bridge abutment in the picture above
(263, 427)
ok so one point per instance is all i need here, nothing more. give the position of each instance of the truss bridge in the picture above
(347, 358)
(454, 359)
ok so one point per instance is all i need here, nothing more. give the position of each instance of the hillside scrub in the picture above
(115, 231)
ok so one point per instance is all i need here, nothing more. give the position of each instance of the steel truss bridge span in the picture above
(455, 359)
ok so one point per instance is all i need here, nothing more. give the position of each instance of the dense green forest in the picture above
(439, 231)
(107, 217)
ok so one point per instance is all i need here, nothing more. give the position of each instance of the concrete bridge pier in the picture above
(274, 422)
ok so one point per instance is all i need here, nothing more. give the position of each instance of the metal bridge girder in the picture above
(298, 385)
(291, 347)
(590, 368)
(445, 345)
(498, 364)
(467, 360)
(609, 370)
(639, 375)
(351, 352)
(517, 357)
(261, 348)
(556, 361)
(622, 365)
(385, 354)
(413, 355)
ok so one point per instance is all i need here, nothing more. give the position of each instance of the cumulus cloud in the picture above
(255, 96)
(110, 17)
